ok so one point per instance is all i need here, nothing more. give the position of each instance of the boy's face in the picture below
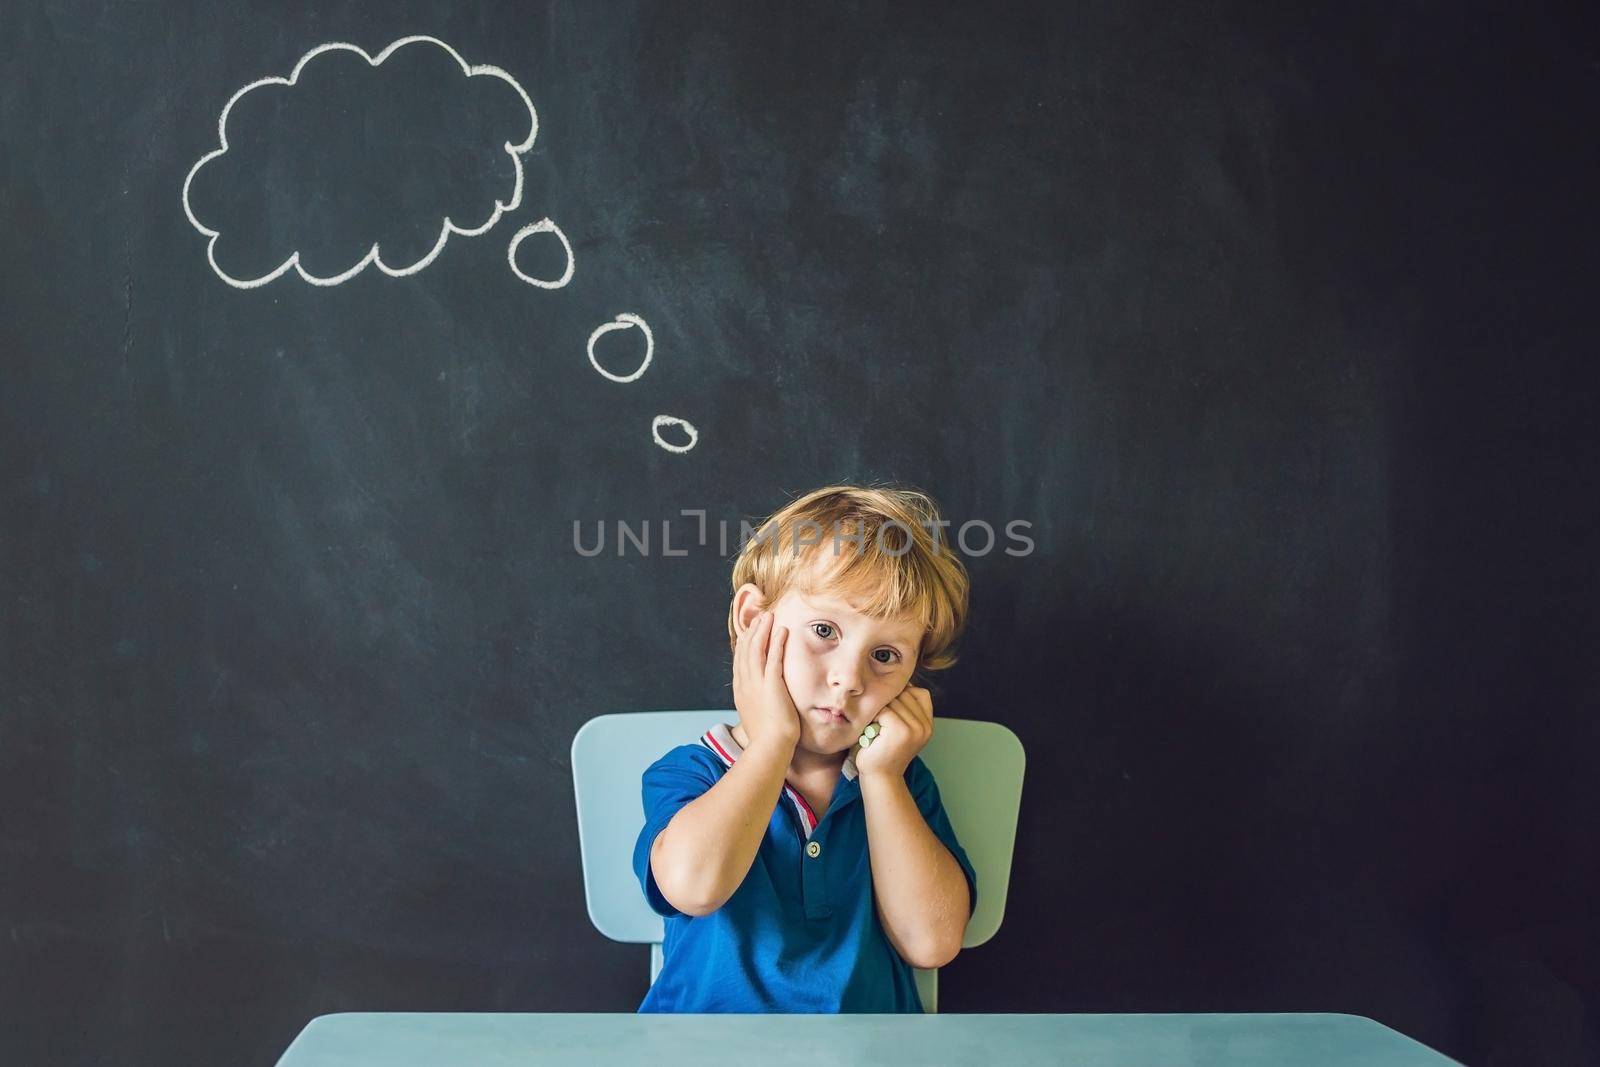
(840, 659)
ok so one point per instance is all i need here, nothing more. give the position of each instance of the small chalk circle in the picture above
(542, 226)
(662, 421)
(623, 322)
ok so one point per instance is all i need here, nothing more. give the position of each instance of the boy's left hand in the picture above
(905, 725)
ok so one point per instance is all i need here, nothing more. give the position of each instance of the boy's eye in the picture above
(818, 627)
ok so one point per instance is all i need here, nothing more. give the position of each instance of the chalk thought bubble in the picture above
(356, 159)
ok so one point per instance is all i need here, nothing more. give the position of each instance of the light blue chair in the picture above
(978, 766)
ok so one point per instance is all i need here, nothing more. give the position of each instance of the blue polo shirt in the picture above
(801, 933)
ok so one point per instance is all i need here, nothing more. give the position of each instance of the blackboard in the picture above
(1272, 325)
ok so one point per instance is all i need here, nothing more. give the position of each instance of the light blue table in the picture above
(498, 1040)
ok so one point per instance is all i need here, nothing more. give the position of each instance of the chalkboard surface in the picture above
(323, 328)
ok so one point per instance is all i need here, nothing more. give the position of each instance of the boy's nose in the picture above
(847, 678)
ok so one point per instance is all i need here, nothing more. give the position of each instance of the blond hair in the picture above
(879, 548)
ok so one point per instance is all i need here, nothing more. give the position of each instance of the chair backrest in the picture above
(978, 765)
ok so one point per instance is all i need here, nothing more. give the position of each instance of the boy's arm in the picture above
(706, 850)
(923, 900)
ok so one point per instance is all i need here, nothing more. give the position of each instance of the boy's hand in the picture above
(905, 725)
(766, 711)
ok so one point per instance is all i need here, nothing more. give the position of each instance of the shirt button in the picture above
(813, 849)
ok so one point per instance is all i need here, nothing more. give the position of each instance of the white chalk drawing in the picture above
(542, 226)
(667, 420)
(515, 151)
(623, 322)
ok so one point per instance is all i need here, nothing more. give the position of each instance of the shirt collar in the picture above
(719, 739)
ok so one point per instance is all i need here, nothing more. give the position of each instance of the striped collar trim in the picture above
(719, 739)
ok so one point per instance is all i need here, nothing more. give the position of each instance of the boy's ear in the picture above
(748, 602)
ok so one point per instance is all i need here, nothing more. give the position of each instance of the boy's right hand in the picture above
(766, 711)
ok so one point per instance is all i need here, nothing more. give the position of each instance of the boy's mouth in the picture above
(830, 715)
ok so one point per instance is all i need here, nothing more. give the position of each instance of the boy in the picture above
(802, 858)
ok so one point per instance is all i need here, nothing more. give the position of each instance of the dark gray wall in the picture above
(1274, 324)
